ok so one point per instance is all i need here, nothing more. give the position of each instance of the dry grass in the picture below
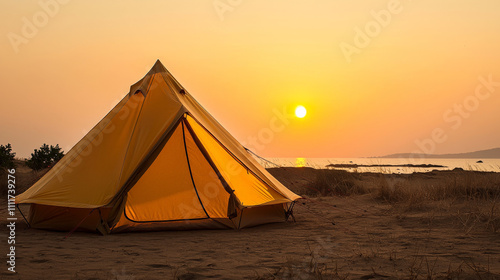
(312, 267)
(25, 178)
(472, 196)
(435, 186)
(418, 267)
(392, 188)
(478, 213)
(475, 196)
(423, 267)
(330, 182)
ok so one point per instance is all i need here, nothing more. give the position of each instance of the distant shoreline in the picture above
(483, 154)
(353, 165)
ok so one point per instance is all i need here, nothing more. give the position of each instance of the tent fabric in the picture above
(65, 218)
(157, 161)
(88, 175)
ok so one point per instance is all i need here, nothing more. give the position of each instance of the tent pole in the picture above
(289, 212)
(26, 220)
(241, 217)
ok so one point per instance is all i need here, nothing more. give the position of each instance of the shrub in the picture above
(6, 157)
(44, 157)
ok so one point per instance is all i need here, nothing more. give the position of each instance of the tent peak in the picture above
(157, 68)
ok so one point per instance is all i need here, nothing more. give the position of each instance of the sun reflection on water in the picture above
(300, 162)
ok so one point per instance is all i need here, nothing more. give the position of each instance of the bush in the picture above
(6, 157)
(44, 157)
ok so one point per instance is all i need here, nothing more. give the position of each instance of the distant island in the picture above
(491, 153)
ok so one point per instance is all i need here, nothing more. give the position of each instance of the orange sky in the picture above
(61, 75)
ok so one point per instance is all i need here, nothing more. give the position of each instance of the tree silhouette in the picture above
(44, 157)
(6, 157)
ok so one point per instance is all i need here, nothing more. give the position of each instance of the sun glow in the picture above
(300, 111)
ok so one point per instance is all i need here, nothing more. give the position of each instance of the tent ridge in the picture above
(157, 68)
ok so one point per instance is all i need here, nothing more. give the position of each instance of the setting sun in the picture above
(300, 111)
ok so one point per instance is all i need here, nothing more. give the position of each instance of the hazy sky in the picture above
(376, 77)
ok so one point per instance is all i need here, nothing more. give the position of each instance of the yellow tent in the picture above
(158, 160)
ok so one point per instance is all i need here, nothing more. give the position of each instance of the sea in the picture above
(485, 165)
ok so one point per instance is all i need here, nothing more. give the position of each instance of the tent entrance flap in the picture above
(165, 192)
(180, 184)
(233, 202)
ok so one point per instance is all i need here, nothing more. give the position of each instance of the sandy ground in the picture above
(354, 237)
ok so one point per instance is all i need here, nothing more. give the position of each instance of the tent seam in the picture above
(133, 131)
